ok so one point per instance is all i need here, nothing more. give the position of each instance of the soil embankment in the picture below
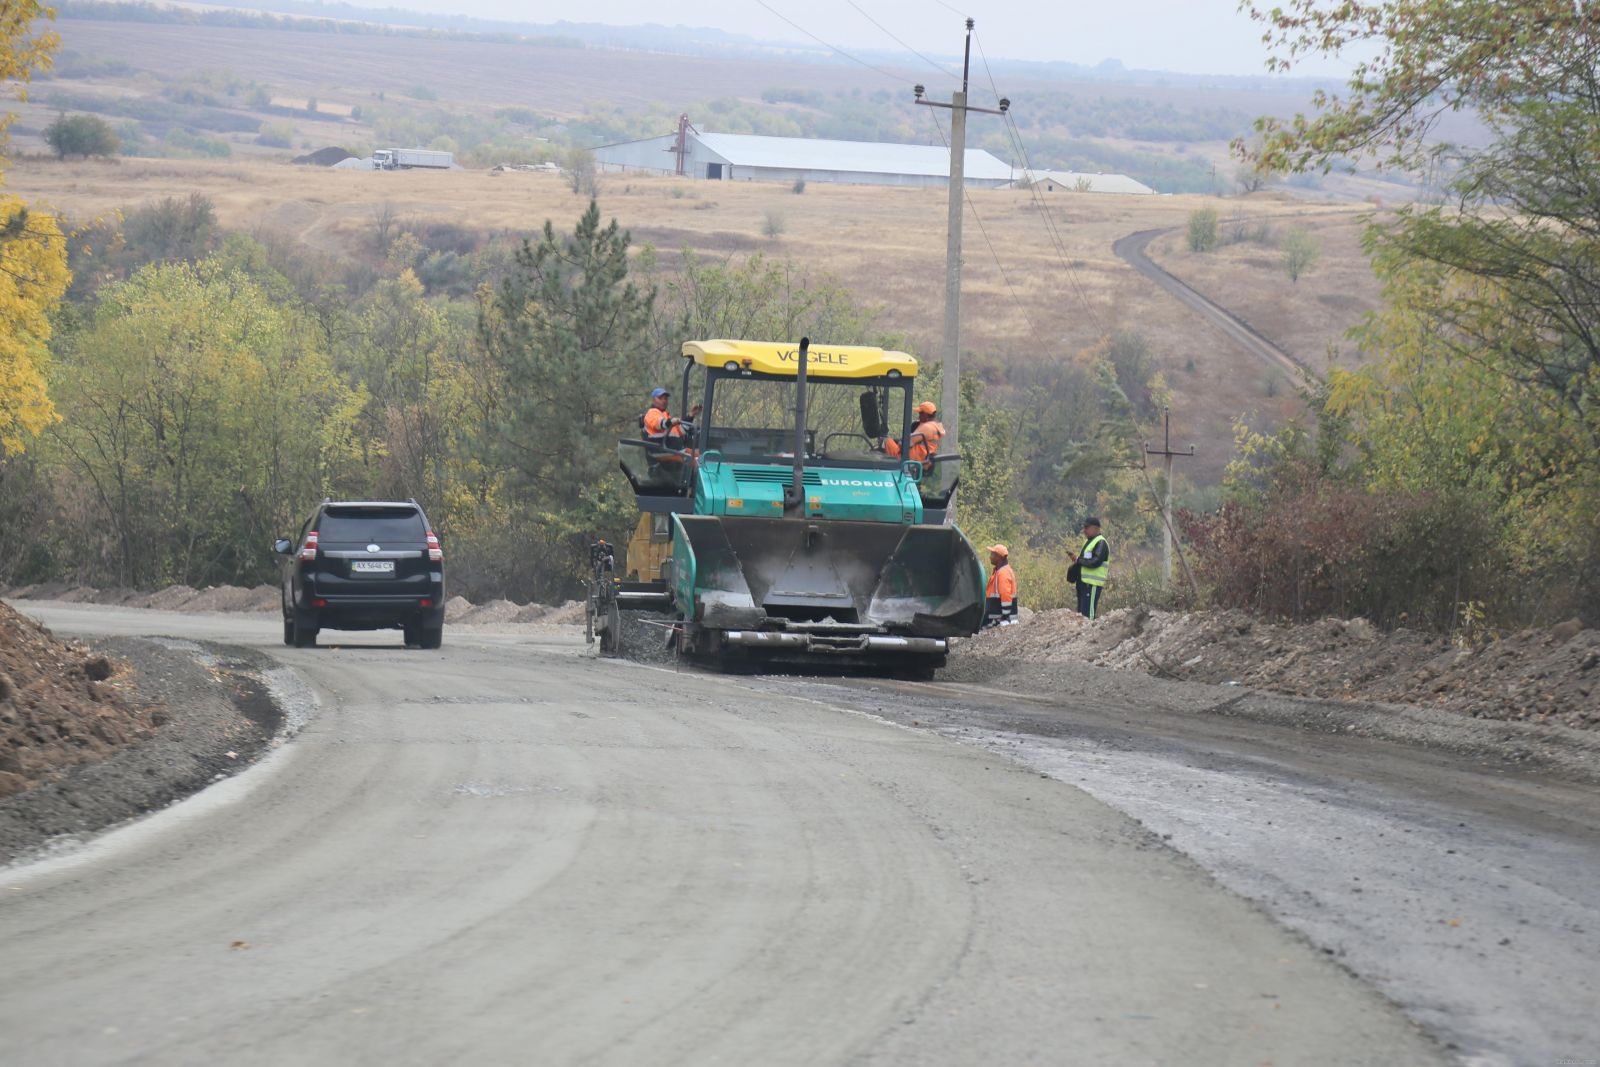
(61, 705)
(1544, 676)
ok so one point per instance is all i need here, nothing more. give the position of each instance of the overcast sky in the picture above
(1199, 36)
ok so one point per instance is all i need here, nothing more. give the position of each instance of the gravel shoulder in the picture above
(216, 708)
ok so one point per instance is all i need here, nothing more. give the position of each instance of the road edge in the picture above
(229, 707)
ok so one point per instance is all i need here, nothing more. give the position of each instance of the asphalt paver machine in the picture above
(778, 530)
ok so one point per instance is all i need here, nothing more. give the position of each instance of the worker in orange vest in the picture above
(925, 435)
(659, 425)
(1000, 597)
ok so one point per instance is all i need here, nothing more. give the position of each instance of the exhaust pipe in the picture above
(794, 499)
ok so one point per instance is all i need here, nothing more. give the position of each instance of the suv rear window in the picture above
(370, 524)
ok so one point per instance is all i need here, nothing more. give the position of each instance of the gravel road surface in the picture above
(509, 852)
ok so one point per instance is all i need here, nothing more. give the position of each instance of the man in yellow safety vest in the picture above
(1093, 567)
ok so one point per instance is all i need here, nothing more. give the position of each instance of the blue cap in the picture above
(657, 392)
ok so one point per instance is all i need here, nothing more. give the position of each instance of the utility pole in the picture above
(950, 402)
(1166, 508)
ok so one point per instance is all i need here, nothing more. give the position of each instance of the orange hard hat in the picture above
(927, 407)
(1000, 550)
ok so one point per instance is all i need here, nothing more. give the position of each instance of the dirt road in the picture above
(1132, 249)
(507, 851)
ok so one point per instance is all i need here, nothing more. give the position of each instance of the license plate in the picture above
(372, 566)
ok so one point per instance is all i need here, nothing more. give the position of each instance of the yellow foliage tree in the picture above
(33, 254)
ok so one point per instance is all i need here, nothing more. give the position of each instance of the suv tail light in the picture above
(309, 551)
(435, 553)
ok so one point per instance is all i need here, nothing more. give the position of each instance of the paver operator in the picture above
(925, 435)
(660, 426)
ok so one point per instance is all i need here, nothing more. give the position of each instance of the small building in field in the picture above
(744, 157)
(1071, 181)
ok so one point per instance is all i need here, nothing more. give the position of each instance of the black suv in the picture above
(363, 565)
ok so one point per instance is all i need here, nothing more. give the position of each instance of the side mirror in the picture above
(282, 546)
(871, 421)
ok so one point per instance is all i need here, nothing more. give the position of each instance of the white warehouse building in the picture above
(743, 157)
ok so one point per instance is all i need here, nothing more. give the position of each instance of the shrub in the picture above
(799, 186)
(81, 135)
(276, 134)
(1300, 249)
(1315, 548)
(1202, 230)
(775, 224)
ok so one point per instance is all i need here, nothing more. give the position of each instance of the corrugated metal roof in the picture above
(800, 153)
(1094, 183)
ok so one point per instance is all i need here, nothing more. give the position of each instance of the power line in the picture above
(932, 63)
(896, 78)
(1052, 231)
(973, 207)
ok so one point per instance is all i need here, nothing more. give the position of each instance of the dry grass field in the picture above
(886, 244)
(557, 81)
(1309, 318)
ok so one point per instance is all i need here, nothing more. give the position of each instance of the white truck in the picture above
(406, 158)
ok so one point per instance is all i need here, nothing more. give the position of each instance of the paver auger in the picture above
(777, 529)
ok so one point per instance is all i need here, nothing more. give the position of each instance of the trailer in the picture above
(408, 158)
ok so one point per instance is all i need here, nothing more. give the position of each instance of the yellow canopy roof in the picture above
(782, 357)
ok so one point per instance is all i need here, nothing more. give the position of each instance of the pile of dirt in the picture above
(569, 614)
(222, 598)
(323, 157)
(60, 705)
(171, 598)
(1548, 675)
(457, 608)
(492, 613)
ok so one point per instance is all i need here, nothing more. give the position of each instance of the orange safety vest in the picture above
(925, 439)
(1002, 584)
(658, 425)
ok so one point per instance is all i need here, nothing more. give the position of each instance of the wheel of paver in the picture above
(588, 621)
(611, 636)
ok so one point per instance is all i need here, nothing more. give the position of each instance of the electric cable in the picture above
(898, 79)
(941, 68)
(973, 207)
(1014, 132)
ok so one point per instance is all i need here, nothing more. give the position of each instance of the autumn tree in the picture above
(22, 51)
(203, 414)
(33, 254)
(1486, 369)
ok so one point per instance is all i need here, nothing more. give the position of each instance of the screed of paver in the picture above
(503, 851)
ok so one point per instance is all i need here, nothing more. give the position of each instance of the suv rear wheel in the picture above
(301, 636)
(432, 637)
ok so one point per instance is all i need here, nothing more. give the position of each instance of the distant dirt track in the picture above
(1132, 249)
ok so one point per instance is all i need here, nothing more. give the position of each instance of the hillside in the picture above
(1022, 295)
